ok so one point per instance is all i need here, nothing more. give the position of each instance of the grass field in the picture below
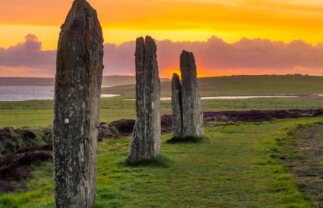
(40, 113)
(239, 167)
(234, 169)
(242, 85)
(302, 154)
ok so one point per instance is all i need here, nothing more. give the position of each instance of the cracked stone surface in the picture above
(192, 106)
(177, 108)
(146, 136)
(77, 105)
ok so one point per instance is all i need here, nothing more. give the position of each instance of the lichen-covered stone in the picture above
(177, 108)
(146, 136)
(192, 106)
(76, 108)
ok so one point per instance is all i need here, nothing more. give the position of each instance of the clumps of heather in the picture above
(260, 115)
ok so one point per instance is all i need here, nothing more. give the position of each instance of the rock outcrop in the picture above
(77, 105)
(146, 136)
(189, 114)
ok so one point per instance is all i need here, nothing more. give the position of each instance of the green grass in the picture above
(243, 85)
(237, 167)
(234, 169)
(40, 113)
(159, 161)
(301, 151)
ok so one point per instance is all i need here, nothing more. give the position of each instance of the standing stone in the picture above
(146, 136)
(177, 108)
(192, 106)
(76, 109)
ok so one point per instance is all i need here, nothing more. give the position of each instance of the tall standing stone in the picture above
(146, 136)
(192, 106)
(77, 104)
(177, 108)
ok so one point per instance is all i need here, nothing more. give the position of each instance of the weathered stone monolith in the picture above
(177, 108)
(192, 106)
(76, 108)
(146, 136)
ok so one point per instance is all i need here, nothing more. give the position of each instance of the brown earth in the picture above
(302, 153)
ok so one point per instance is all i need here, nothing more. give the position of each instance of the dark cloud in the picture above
(254, 56)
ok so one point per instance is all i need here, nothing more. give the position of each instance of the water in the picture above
(245, 97)
(23, 93)
(232, 97)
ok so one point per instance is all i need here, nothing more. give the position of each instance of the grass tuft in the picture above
(176, 140)
(159, 161)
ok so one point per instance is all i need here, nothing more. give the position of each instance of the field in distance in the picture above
(35, 81)
(40, 113)
(242, 85)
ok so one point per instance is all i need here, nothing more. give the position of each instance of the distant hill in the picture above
(118, 80)
(243, 85)
(26, 81)
(34, 81)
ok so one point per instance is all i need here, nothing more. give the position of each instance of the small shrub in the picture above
(176, 140)
(159, 161)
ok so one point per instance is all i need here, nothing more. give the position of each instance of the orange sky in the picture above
(189, 20)
(174, 20)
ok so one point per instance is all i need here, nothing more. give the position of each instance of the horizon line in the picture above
(233, 75)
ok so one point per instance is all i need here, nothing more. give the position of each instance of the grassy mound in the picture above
(159, 161)
(176, 140)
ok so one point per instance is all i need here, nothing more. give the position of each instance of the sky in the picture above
(227, 37)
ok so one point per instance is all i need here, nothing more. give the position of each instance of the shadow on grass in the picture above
(159, 161)
(177, 140)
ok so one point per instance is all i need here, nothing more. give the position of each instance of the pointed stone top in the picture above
(81, 10)
(187, 60)
(81, 2)
(175, 76)
(187, 55)
(146, 40)
(149, 39)
(79, 5)
(148, 44)
(176, 81)
(140, 40)
(81, 24)
(140, 45)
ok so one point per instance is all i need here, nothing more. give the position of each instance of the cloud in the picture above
(28, 54)
(256, 53)
(247, 56)
(213, 57)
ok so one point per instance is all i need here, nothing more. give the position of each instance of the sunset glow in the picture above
(174, 20)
